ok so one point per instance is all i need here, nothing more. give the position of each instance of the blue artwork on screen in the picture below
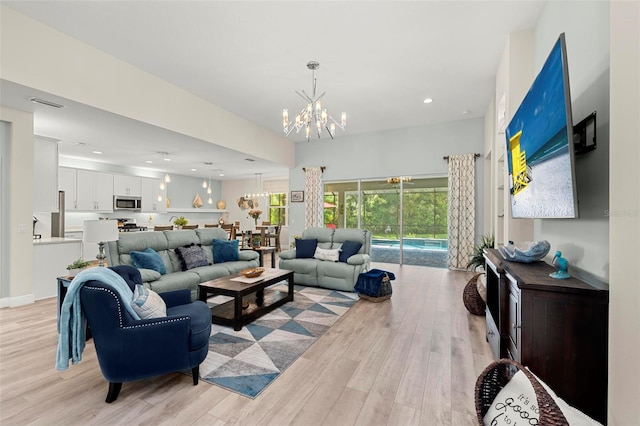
(540, 145)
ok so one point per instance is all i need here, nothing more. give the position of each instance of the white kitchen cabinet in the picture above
(45, 172)
(94, 191)
(67, 183)
(126, 185)
(150, 192)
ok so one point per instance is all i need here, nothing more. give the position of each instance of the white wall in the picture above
(624, 296)
(416, 151)
(583, 241)
(17, 257)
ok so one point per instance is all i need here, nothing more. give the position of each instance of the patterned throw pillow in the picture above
(192, 256)
(147, 303)
(148, 259)
(225, 251)
(327, 254)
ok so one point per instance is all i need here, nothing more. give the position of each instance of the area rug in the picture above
(247, 361)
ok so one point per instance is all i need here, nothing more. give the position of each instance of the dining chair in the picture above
(190, 226)
(276, 236)
(210, 225)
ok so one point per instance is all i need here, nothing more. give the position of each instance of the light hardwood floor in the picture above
(412, 360)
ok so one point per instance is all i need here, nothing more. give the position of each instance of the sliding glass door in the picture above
(407, 217)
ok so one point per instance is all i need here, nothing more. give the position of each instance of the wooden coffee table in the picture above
(231, 312)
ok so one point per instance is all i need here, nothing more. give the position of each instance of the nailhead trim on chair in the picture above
(137, 325)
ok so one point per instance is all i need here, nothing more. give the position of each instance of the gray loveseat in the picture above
(328, 274)
(165, 243)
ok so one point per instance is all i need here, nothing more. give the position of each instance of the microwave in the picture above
(124, 202)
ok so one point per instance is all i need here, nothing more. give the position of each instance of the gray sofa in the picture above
(327, 274)
(165, 243)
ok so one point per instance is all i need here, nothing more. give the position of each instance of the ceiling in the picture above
(378, 62)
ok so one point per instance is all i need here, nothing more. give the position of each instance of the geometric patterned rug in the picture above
(247, 361)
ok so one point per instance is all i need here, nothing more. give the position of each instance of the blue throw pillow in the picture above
(348, 249)
(305, 249)
(148, 259)
(225, 251)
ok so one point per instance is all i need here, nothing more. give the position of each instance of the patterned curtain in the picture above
(462, 210)
(314, 198)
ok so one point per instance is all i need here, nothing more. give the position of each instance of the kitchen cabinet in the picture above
(45, 175)
(126, 185)
(94, 191)
(150, 191)
(67, 183)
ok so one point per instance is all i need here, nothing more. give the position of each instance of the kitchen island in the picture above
(51, 255)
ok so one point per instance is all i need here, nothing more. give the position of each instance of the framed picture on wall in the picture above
(297, 196)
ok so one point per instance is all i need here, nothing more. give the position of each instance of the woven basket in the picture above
(497, 375)
(384, 294)
(472, 299)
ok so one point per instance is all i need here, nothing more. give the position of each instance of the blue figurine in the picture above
(563, 266)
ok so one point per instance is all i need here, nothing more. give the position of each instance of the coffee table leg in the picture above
(237, 313)
(259, 297)
(290, 295)
(273, 258)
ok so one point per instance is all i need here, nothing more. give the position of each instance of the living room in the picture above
(597, 242)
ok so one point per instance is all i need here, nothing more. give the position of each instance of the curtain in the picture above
(462, 210)
(314, 198)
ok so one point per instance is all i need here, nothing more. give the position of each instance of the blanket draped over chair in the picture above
(71, 341)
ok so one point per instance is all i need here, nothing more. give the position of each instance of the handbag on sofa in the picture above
(375, 285)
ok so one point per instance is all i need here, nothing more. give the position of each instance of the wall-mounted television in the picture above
(540, 155)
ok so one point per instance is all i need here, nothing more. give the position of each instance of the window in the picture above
(278, 209)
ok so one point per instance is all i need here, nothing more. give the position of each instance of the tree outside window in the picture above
(278, 208)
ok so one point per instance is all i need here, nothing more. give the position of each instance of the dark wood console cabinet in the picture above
(556, 328)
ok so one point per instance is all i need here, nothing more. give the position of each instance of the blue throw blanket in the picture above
(71, 341)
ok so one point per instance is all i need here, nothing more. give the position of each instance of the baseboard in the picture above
(12, 302)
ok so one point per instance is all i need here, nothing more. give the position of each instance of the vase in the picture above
(221, 205)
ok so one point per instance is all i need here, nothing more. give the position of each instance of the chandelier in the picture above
(259, 192)
(313, 117)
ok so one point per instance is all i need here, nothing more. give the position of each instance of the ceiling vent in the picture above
(47, 103)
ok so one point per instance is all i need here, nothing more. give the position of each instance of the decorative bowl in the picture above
(252, 272)
(525, 252)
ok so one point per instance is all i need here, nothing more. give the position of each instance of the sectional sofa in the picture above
(338, 274)
(165, 244)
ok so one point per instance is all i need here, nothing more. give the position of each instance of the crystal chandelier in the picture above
(313, 117)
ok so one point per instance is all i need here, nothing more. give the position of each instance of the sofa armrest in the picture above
(176, 297)
(248, 255)
(288, 254)
(359, 259)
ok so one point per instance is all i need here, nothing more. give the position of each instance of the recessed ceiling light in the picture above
(465, 112)
(194, 170)
(221, 174)
(167, 159)
(428, 101)
(97, 152)
(148, 161)
(80, 143)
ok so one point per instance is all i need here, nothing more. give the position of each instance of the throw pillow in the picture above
(192, 256)
(305, 249)
(148, 275)
(225, 251)
(148, 259)
(348, 249)
(326, 254)
(147, 303)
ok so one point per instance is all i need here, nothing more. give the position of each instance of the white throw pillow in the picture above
(327, 254)
(516, 403)
(147, 303)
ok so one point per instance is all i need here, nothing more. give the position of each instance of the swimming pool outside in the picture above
(415, 251)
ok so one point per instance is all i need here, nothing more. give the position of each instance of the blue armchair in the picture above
(130, 349)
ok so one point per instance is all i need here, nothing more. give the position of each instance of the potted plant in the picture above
(180, 222)
(76, 266)
(477, 257)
